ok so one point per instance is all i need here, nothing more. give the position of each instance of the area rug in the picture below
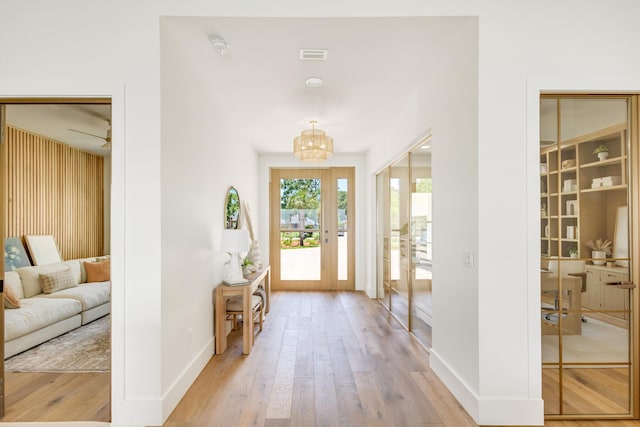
(600, 342)
(85, 349)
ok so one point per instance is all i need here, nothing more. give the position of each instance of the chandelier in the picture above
(313, 145)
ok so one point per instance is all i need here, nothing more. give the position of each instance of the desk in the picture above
(223, 291)
(572, 285)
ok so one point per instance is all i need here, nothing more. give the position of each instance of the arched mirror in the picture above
(232, 209)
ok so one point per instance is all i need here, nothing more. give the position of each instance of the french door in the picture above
(589, 255)
(312, 229)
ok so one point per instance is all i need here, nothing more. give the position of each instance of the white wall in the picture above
(450, 110)
(200, 161)
(490, 359)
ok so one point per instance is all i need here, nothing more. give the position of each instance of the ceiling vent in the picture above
(313, 54)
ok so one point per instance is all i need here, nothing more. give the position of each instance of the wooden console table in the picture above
(223, 291)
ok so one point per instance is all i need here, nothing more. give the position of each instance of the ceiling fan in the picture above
(107, 139)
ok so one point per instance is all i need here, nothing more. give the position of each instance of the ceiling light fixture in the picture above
(313, 145)
(314, 82)
(219, 44)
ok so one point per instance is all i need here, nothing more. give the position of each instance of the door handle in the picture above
(622, 285)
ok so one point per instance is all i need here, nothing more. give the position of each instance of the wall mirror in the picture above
(232, 209)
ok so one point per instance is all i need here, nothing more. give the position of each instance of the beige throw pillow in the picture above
(10, 298)
(54, 282)
(98, 271)
(12, 290)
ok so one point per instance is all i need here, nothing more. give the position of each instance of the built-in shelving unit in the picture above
(575, 185)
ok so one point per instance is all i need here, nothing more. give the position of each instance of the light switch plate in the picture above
(468, 259)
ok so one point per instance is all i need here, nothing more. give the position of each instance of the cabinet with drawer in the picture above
(603, 297)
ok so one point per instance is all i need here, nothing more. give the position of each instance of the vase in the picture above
(599, 257)
(604, 155)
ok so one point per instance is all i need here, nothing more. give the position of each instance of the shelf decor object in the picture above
(602, 151)
(313, 145)
(235, 241)
(599, 250)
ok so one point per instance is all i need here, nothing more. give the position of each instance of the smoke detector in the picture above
(219, 44)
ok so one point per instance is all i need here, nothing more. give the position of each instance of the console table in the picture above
(223, 291)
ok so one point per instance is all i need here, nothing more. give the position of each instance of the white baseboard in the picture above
(177, 390)
(504, 411)
(488, 411)
(460, 390)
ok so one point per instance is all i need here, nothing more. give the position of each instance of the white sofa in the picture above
(43, 316)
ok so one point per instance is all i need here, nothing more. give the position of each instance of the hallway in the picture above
(327, 359)
(323, 358)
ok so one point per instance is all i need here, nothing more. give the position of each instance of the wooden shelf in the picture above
(608, 162)
(610, 188)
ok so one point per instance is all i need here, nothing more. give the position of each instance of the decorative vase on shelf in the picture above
(603, 155)
(599, 257)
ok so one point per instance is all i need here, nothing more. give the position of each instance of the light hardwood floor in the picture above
(327, 359)
(324, 359)
(57, 397)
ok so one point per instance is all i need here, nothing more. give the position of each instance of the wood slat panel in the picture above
(55, 189)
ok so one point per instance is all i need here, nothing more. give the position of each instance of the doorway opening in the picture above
(56, 164)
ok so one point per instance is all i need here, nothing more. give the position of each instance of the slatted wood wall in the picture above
(55, 189)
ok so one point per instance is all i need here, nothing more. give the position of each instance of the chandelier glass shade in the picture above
(313, 145)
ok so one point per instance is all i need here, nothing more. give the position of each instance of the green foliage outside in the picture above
(300, 193)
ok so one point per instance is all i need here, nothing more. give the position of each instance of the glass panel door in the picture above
(587, 306)
(312, 242)
(300, 248)
(400, 251)
(421, 222)
(383, 263)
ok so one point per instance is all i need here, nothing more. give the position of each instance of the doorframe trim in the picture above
(24, 92)
(535, 88)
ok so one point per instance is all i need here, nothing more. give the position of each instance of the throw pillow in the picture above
(10, 298)
(98, 271)
(13, 292)
(54, 282)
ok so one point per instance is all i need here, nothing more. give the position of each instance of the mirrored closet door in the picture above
(404, 245)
